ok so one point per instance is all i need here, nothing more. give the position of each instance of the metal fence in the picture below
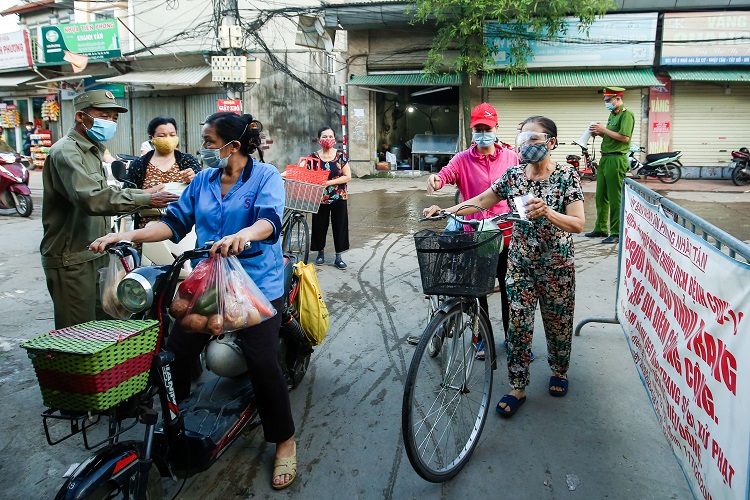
(723, 241)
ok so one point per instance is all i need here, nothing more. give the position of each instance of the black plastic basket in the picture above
(460, 264)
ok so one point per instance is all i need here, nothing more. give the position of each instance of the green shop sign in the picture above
(97, 40)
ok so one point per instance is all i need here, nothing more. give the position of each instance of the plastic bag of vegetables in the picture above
(109, 278)
(219, 297)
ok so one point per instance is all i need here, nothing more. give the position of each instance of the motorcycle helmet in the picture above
(744, 150)
(224, 356)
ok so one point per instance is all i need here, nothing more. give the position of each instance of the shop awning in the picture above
(709, 75)
(66, 78)
(575, 78)
(15, 79)
(178, 77)
(406, 79)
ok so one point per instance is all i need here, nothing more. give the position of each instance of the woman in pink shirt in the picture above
(473, 171)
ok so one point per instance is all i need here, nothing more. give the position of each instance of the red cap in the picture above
(484, 114)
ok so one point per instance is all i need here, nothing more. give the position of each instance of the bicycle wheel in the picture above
(447, 396)
(673, 173)
(296, 239)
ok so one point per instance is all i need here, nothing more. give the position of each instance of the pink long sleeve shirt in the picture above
(473, 173)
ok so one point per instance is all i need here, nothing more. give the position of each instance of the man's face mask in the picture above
(610, 105)
(102, 130)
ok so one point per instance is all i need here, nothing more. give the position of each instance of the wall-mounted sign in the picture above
(614, 40)
(706, 38)
(660, 117)
(230, 106)
(97, 40)
(15, 50)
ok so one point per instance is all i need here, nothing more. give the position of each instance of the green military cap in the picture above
(613, 91)
(100, 99)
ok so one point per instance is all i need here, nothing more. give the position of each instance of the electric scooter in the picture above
(191, 437)
(664, 166)
(14, 185)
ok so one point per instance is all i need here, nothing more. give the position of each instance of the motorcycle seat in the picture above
(740, 154)
(660, 156)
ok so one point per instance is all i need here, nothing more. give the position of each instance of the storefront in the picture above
(709, 87)
(408, 104)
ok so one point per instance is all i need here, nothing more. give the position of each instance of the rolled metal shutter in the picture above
(708, 123)
(572, 110)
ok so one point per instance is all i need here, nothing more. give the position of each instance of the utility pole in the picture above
(232, 68)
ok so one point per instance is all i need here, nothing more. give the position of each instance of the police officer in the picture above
(613, 165)
(77, 203)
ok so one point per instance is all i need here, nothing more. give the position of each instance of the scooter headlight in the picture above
(135, 293)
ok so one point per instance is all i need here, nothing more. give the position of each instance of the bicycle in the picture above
(448, 387)
(304, 191)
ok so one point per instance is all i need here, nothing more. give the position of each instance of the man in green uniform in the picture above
(613, 165)
(77, 203)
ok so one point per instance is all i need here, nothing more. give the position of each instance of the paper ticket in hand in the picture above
(520, 204)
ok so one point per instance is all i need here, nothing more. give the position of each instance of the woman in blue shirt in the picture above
(238, 201)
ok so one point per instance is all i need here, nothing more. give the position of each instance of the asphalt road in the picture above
(604, 434)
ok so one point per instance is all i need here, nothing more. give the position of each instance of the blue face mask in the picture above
(484, 139)
(212, 157)
(102, 130)
(610, 106)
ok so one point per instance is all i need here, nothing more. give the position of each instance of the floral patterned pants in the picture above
(554, 289)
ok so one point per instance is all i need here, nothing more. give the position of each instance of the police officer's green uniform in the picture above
(612, 169)
(77, 203)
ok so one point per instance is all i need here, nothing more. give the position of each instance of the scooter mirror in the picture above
(118, 170)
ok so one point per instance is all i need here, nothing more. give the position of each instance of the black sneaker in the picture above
(612, 239)
(596, 234)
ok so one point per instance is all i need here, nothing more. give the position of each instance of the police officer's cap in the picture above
(99, 99)
(613, 91)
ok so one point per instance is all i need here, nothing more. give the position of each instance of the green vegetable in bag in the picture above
(207, 304)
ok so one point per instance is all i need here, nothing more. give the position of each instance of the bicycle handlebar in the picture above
(474, 223)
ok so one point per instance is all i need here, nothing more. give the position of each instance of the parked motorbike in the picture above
(740, 165)
(14, 185)
(190, 437)
(586, 164)
(664, 166)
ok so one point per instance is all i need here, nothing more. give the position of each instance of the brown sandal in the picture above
(282, 466)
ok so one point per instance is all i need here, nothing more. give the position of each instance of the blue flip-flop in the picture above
(513, 404)
(555, 381)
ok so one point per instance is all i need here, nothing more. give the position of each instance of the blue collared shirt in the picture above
(258, 194)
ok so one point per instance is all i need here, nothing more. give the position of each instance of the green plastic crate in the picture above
(96, 348)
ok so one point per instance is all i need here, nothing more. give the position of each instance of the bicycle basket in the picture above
(458, 264)
(95, 365)
(304, 188)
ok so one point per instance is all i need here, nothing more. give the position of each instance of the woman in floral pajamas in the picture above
(541, 263)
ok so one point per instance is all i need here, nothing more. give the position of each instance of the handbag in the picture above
(313, 313)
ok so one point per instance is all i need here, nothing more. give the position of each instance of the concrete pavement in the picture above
(348, 409)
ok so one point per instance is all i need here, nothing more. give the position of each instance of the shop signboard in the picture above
(660, 117)
(230, 106)
(15, 50)
(614, 40)
(97, 40)
(706, 38)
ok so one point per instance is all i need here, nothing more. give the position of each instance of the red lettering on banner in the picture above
(685, 317)
(699, 258)
(702, 395)
(723, 313)
(695, 290)
(671, 354)
(667, 263)
(638, 290)
(680, 277)
(714, 352)
(692, 443)
(722, 462)
(647, 306)
(672, 388)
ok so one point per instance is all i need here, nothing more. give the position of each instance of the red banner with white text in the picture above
(683, 306)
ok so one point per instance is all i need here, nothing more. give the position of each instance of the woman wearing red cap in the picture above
(473, 171)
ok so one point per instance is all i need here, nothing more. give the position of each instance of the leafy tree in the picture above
(461, 27)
